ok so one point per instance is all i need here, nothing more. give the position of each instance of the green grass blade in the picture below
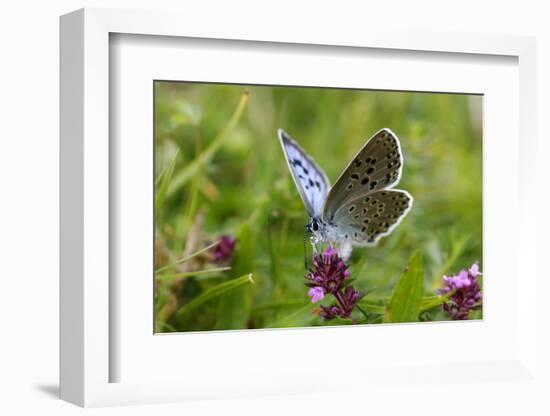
(167, 278)
(207, 154)
(187, 258)
(162, 183)
(213, 293)
(161, 326)
(233, 310)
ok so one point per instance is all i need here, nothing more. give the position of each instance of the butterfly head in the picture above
(316, 229)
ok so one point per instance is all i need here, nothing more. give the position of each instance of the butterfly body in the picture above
(321, 231)
(361, 207)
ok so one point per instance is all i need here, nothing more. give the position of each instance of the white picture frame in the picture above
(87, 356)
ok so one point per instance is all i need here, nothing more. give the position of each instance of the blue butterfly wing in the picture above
(311, 181)
(378, 165)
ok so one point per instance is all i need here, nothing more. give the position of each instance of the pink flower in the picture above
(317, 293)
(224, 250)
(474, 270)
(459, 281)
(328, 271)
(467, 293)
(329, 275)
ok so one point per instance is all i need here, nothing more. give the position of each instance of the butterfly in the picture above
(362, 206)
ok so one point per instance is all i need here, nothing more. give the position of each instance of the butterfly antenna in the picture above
(305, 251)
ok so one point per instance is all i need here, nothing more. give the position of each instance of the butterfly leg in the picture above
(315, 248)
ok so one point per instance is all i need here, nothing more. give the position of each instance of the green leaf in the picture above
(476, 314)
(340, 321)
(348, 282)
(207, 154)
(234, 308)
(430, 302)
(292, 319)
(212, 293)
(406, 299)
(162, 182)
(267, 307)
(372, 307)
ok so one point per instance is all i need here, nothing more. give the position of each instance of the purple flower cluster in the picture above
(328, 275)
(223, 251)
(467, 293)
(347, 299)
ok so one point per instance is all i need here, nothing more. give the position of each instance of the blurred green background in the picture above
(220, 170)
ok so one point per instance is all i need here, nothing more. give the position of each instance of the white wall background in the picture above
(29, 181)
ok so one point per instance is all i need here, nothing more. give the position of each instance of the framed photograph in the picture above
(229, 220)
(248, 215)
